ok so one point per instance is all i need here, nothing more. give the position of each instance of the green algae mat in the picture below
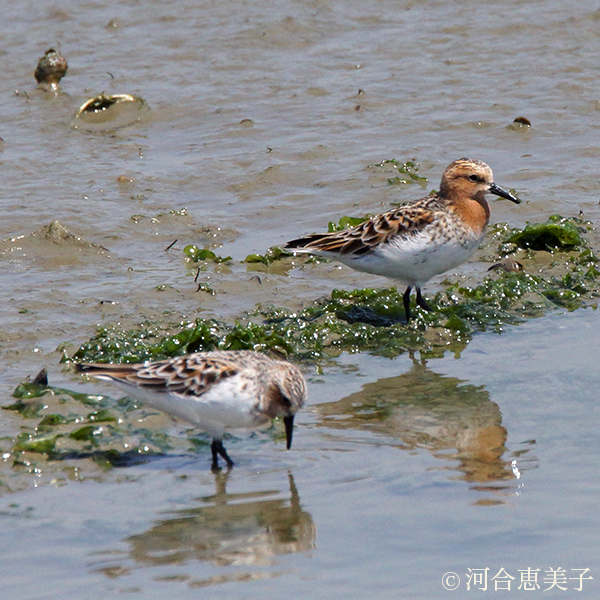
(536, 270)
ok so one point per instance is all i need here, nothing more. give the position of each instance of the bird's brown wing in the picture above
(359, 240)
(190, 375)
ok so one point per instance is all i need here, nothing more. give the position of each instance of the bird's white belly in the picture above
(227, 405)
(414, 260)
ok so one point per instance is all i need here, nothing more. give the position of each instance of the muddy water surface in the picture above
(263, 120)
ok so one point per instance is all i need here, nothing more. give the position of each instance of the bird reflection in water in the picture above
(453, 420)
(244, 529)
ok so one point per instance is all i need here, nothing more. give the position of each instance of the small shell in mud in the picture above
(51, 68)
(104, 112)
(520, 123)
(508, 264)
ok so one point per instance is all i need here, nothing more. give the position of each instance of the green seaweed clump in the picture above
(112, 344)
(40, 444)
(346, 223)
(150, 341)
(195, 254)
(557, 233)
(62, 427)
(271, 255)
(407, 172)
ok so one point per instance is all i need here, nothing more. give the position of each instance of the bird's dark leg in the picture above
(217, 450)
(407, 302)
(421, 301)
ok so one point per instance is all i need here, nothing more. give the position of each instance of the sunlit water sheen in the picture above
(263, 120)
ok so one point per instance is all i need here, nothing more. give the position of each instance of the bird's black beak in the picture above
(494, 189)
(289, 429)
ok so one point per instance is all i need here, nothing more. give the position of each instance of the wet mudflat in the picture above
(263, 122)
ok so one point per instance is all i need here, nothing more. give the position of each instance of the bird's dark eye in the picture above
(474, 178)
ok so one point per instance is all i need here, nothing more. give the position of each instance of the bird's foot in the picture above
(217, 450)
(421, 301)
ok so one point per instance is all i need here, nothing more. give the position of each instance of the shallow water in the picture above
(390, 504)
(263, 120)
